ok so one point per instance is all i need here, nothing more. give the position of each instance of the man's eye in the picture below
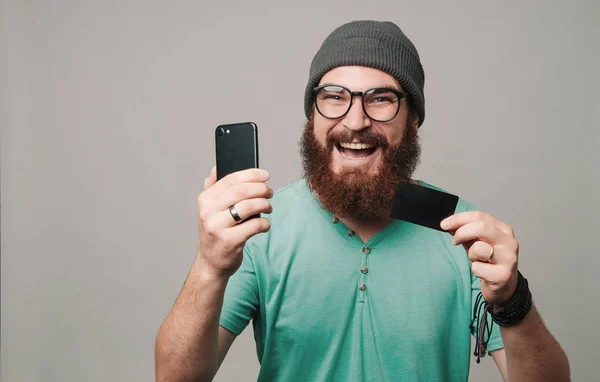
(382, 100)
(334, 97)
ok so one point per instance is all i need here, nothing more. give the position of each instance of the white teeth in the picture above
(356, 146)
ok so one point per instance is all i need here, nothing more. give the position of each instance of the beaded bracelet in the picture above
(515, 310)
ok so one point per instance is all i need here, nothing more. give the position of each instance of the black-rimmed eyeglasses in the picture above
(379, 104)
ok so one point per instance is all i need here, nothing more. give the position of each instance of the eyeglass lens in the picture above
(379, 104)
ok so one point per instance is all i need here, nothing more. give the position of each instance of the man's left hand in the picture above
(492, 249)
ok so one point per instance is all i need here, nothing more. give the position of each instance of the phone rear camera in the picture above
(220, 132)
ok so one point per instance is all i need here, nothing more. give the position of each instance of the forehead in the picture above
(359, 78)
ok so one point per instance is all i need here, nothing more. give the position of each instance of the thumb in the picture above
(212, 178)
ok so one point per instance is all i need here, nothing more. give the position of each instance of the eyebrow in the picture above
(391, 87)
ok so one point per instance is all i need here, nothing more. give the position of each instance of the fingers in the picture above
(485, 271)
(506, 248)
(456, 221)
(212, 178)
(492, 250)
(239, 193)
(255, 206)
(252, 175)
(480, 230)
(249, 228)
(481, 251)
(223, 225)
(221, 238)
(220, 195)
(245, 209)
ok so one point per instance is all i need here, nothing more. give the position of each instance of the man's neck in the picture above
(367, 229)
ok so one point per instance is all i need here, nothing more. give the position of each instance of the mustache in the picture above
(365, 136)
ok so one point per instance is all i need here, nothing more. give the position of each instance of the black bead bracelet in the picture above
(517, 308)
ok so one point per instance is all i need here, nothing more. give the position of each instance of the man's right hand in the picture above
(221, 238)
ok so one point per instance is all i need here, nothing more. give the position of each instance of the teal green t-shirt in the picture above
(327, 307)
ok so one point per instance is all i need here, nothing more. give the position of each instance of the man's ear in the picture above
(412, 117)
(415, 122)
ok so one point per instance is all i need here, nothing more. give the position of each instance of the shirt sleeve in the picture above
(241, 297)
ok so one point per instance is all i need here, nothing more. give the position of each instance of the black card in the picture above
(422, 205)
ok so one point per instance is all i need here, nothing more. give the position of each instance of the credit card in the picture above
(422, 205)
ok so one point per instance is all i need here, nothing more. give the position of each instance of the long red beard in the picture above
(352, 193)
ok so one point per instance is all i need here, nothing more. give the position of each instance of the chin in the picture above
(353, 172)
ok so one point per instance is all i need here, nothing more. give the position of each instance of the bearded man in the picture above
(336, 289)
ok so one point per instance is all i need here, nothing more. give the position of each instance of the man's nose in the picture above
(356, 119)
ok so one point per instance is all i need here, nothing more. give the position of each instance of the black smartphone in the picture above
(422, 205)
(236, 147)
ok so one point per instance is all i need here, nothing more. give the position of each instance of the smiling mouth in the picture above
(356, 151)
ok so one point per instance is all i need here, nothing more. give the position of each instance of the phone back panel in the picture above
(236, 148)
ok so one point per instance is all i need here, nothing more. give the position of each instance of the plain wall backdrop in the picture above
(107, 114)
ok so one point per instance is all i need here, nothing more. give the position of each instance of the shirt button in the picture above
(364, 269)
(350, 233)
(335, 220)
(366, 250)
(362, 287)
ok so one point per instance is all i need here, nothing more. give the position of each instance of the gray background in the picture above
(107, 113)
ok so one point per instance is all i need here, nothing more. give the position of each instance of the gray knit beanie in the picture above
(375, 44)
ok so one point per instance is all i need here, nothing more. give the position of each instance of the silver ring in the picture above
(235, 215)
